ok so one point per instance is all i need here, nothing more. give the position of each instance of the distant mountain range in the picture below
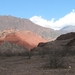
(18, 33)
(67, 29)
(8, 22)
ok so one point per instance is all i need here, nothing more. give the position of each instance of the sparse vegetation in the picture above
(10, 49)
(55, 60)
(27, 53)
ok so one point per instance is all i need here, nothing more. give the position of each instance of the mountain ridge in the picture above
(7, 22)
(11, 22)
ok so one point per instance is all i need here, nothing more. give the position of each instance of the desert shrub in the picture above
(41, 51)
(11, 49)
(44, 51)
(26, 53)
(55, 58)
(36, 51)
(69, 51)
(8, 53)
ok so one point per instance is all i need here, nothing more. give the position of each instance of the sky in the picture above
(54, 14)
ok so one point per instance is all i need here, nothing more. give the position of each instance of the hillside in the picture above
(7, 22)
(22, 38)
(66, 36)
(43, 59)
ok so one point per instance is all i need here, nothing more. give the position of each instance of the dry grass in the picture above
(20, 65)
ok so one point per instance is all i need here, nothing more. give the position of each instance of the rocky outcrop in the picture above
(66, 36)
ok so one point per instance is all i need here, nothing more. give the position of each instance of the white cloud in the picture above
(68, 19)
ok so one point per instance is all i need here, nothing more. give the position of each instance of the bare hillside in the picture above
(7, 22)
(22, 38)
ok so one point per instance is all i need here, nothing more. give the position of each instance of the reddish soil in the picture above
(23, 38)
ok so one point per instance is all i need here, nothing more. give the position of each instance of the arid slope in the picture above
(23, 38)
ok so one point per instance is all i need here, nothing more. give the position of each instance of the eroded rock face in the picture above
(26, 39)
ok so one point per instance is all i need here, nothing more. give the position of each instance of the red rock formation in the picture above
(23, 38)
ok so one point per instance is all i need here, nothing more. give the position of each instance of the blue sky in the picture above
(44, 9)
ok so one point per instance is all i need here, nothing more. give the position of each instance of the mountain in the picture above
(7, 22)
(11, 22)
(26, 39)
(68, 29)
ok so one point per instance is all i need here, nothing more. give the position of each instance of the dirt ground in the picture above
(20, 65)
